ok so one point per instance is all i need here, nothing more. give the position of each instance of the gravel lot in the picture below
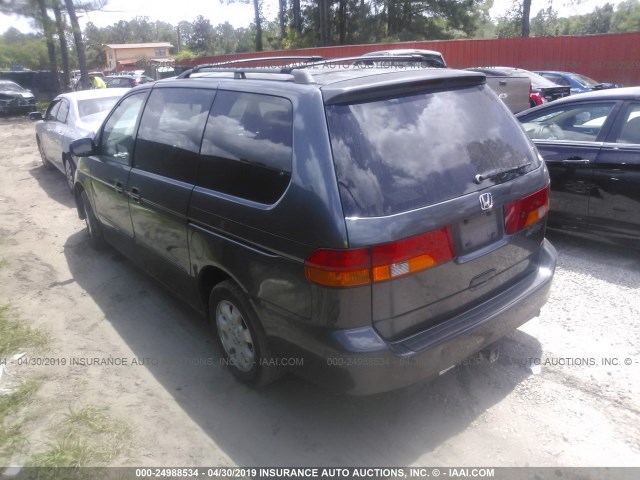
(550, 399)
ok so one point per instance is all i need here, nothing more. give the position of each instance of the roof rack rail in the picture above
(291, 58)
(298, 72)
(298, 76)
(367, 59)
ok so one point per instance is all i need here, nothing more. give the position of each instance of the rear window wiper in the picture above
(481, 177)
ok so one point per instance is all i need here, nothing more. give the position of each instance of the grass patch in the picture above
(15, 335)
(86, 437)
(11, 437)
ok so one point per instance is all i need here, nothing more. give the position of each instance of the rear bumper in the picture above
(358, 361)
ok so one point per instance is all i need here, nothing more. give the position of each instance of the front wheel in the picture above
(241, 335)
(93, 224)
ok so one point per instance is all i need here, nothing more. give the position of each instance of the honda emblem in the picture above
(486, 201)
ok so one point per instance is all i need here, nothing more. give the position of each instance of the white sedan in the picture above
(71, 116)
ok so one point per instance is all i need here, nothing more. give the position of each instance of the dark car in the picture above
(542, 90)
(379, 239)
(15, 99)
(576, 82)
(591, 144)
(126, 81)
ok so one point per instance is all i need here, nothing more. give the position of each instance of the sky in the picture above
(241, 15)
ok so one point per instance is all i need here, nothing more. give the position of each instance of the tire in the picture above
(43, 157)
(241, 336)
(69, 172)
(94, 228)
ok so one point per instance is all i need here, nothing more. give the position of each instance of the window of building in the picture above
(160, 52)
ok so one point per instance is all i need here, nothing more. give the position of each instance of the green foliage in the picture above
(626, 17)
(350, 22)
(26, 50)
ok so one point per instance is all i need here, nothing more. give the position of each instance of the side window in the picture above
(63, 112)
(117, 135)
(52, 111)
(247, 147)
(171, 131)
(581, 122)
(630, 132)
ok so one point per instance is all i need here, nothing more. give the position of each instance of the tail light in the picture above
(356, 267)
(527, 211)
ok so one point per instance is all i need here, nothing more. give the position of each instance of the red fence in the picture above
(606, 58)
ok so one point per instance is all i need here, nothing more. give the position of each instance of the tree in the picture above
(25, 50)
(257, 19)
(77, 38)
(626, 17)
(526, 14)
(202, 39)
(324, 22)
(51, 49)
(62, 39)
(545, 23)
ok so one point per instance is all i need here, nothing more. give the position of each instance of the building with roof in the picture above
(137, 56)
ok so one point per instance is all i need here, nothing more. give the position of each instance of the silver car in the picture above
(71, 116)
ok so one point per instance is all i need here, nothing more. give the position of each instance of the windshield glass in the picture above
(585, 81)
(405, 153)
(95, 105)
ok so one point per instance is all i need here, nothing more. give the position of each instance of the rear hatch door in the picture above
(428, 182)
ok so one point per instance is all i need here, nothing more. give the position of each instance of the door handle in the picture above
(119, 188)
(502, 83)
(134, 193)
(576, 161)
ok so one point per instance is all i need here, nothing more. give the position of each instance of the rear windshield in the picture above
(96, 105)
(405, 153)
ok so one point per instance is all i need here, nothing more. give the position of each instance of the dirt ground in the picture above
(571, 410)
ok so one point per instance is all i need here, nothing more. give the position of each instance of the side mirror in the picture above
(83, 147)
(35, 116)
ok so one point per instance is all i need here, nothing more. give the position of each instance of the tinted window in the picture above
(246, 151)
(573, 122)
(117, 135)
(63, 111)
(171, 130)
(404, 153)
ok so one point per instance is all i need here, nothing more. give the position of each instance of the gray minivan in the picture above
(379, 225)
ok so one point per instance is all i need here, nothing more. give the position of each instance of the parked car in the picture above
(576, 82)
(71, 116)
(126, 81)
(591, 144)
(378, 240)
(15, 99)
(513, 89)
(542, 90)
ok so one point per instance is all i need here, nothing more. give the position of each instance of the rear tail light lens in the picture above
(411, 255)
(352, 268)
(527, 211)
(339, 268)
